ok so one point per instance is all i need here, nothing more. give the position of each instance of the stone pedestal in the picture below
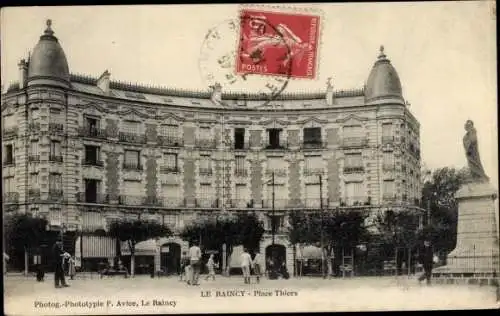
(477, 250)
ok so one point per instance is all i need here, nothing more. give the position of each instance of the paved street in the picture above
(143, 294)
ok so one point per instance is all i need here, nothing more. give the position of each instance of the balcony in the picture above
(34, 158)
(55, 194)
(207, 202)
(387, 140)
(10, 132)
(132, 138)
(135, 200)
(96, 198)
(389, 197)
(55, 158)
(206, 171)
(313, 171)
(153, 201)
(354, 169)
(11, 197)
(173, 202)
(205, 143)
(355, 142)
(241, 172)
(313, 145)
(9, 162)
(355, 201)
(132, 166)
(239, 146)
(34, 128)
(241, 203)
(169, 169)
(315, 203)
(282, 145)
(170, 141)
(277, 172)
(388, 167)
(92, 162)
(56, 128)
(278, 203)
(92, 132)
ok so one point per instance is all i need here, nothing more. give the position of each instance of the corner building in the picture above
(82, 151)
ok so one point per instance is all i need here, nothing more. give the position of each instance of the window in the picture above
(312, 195)
(239, 138)
(91, 155)
(34, 180)
(388, 160)
(206, 195)
(312, 136)
(131, 127)
(274, 137)
(92, 190)
(9, 154)
(91, 124)
(205, 133)
(55, 148)
(9, 185)
(55, 182)
(354, 160)
(167, 130)
(171, 194)
(132, 159)
(276, 165)
(389, 188)
(132, 188)
(241, 195)
(353, 131)
(354, 193)
(313, 165)
(171, 162)
(280, 195)
(9, 122)
(55, 216)
(387, 133)
(240, 165)
(205, 165)
(34, 147)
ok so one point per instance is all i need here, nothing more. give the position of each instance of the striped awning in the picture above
(143, 248)
(95, 247)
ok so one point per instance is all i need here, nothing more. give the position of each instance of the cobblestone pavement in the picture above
(142, 294)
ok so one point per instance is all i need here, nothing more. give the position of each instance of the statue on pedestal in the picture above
(471, 147)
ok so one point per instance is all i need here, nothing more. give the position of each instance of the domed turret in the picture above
(383, 83)
(48, 64)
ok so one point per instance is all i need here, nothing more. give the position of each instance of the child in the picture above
(210, 266)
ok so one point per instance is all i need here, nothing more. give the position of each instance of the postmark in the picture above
(219, 59)
(275, 43)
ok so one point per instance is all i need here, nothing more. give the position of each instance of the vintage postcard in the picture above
(249, 158)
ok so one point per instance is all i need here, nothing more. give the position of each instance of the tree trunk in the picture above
(132, 257)
(25, 261)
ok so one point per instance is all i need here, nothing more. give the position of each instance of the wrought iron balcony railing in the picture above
(56, 128)
(207, 202)
(355, 201)
(34, 127)
(277, 172)
(315, 203)
(132, 138)
(278, 203)
(170, 141)
(354, 142)
(55, 194)
(135, 200)
(387, 139)
(206, 171)
(92, 132)
(153, 201)
(205, 143)
(34, 158)
(9, 162)
(87, 197)
(354, 169)
(241, 203)
(239, 146)
(308, 171)
(34, 193)
(10, 132)
(169, 169)
(11, 197)
(282, 145)
(172, 202)
(132, 166)
(92, 162)
(313, 145)
(241, 172)
(55, 158)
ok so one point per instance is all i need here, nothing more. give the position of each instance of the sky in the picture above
(444, 53)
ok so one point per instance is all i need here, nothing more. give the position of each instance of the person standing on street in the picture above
(246, 262)
(5, 259)
(58, 257)
(71, 268)
(257, 265)
(211, 267)
(426, 258)
(195, 258)
(184, 267)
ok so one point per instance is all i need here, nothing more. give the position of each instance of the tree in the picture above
(24, 232)
(135, 231)
(438, 195)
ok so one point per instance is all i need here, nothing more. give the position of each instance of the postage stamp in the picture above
(278, 43)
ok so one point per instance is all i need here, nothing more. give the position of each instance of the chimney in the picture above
(329, 92)
(103, 81)
(23, 73)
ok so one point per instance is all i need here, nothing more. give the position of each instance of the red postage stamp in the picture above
(275, 43)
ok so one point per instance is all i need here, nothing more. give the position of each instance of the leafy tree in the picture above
(438, 195)
(135, 231)
(24, 232)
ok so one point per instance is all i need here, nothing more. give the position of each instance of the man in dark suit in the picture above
(426, 258)
(58, 257)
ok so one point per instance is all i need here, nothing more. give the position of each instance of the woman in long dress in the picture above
(71, 268)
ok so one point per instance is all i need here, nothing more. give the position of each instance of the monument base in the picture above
(477, 250)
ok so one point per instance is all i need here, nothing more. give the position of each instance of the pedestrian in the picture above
(211, 267)
(184, 265)
(71, 268)
(58, 259)
(194, 258)
(257, 266)
(5, 259)
(246, 262)
(426, 259)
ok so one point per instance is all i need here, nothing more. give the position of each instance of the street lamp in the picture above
(321, 229)
(273, 233)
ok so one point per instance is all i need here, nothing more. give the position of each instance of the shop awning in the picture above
(143, 248)
(308, 252)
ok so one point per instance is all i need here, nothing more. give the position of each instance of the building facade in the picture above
(82, 151)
